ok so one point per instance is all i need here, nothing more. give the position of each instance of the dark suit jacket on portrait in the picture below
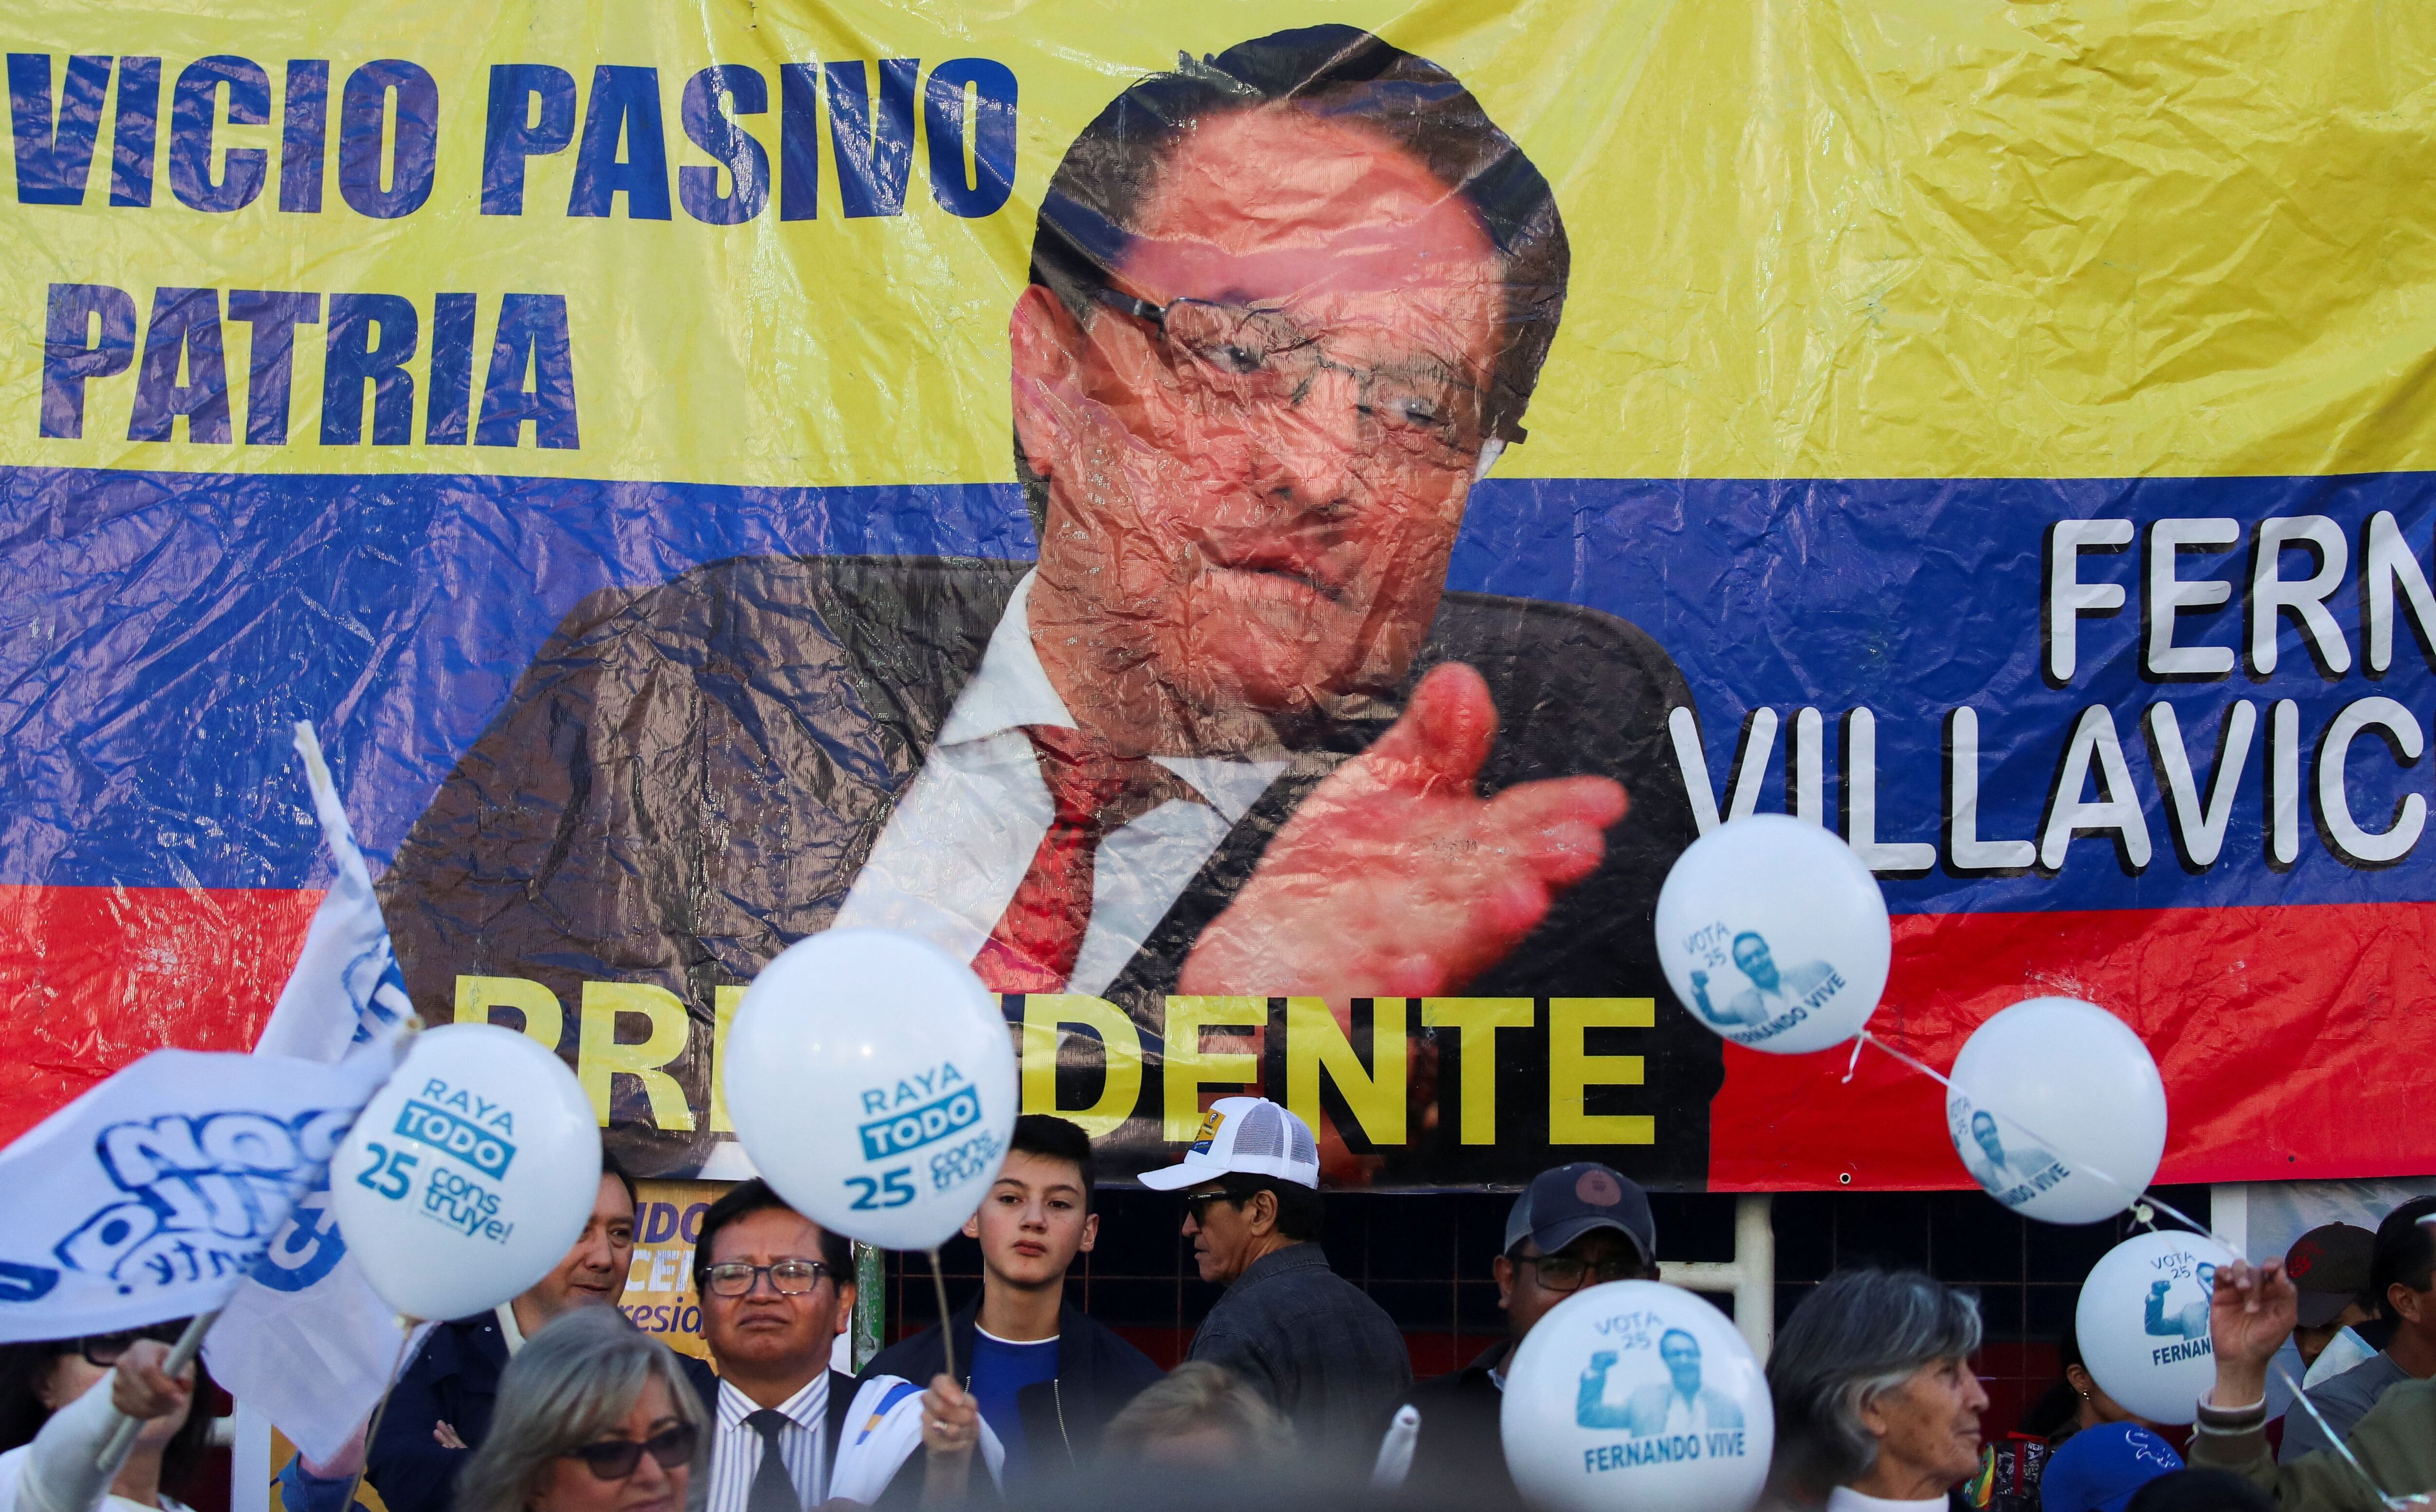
(689, 776)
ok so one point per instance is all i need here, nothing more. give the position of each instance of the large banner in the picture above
(1263, 527)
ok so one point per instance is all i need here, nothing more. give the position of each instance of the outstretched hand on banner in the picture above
(1395, 877)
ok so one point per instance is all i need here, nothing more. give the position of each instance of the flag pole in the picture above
(181, 1354)
(380, 1410)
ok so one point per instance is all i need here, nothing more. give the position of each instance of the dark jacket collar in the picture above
(468, 1346)
(1301, 1256)
(1486, 1361)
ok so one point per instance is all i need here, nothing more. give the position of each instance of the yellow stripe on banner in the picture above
(1867, 239)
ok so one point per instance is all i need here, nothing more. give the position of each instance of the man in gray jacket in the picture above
(1321, 1351)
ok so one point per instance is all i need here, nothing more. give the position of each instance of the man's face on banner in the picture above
(1254, 492)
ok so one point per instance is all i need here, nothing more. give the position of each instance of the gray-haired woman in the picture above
(1877, 1407)
(593, 1416)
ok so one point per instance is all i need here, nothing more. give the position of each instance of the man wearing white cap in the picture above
(1328, 1358)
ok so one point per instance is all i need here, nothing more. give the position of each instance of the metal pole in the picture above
(1750, 1277)
(181, 1354)
(870, 1303)
(1755, 1259)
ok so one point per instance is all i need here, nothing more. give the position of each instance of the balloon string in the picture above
(2382, 1495)
(380, 1409)
(2134, 1198)
(2138, 1202)
(946, 1334)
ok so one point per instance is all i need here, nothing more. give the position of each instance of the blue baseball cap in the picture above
(2098, 1468)
(1561, 1206)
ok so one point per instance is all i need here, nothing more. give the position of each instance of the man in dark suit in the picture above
(1229, 736)
(776, 1290)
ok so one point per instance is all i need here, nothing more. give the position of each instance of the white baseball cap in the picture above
(1249, 1136)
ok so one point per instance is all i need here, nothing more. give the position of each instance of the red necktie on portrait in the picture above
(1094, 793)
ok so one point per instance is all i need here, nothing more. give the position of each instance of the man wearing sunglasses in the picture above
(1230, 733)
(776, 1290)
(1574, 1226)
(1326, 1356)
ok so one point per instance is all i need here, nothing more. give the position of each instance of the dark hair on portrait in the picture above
(1087, 216)
(837, 1251)
(25, 1368)
(1055, 1138)
(1299, 1206)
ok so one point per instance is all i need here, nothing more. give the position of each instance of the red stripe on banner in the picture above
(2295, 1041)
(93, 977)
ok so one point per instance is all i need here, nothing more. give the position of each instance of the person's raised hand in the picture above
(1395, 877)
(142, 1390)
(2250, 1315)
(951, 1420)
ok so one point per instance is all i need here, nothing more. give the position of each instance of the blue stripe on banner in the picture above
(161, 631)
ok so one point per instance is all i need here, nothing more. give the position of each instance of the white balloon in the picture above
(2057, 1109)
(1633, 1395)
(470, 1174)
(2143, 1323)
(872, 1081)
(1774, 934)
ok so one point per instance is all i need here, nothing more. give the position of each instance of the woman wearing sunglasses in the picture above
(55, 1416)
(593, 1416)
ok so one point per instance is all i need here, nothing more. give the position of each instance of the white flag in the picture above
(882, 1429)
(305, 1341)
(151, 1195)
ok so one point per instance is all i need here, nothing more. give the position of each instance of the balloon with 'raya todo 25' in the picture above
(872, 1080)
(1774, 934)
(467, 1178)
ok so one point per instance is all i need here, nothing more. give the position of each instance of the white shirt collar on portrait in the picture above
(1012, 689)
(964, 832)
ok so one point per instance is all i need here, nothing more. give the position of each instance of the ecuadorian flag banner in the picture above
(1265, 528)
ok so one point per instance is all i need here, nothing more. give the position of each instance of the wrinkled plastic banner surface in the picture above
(1997, 432)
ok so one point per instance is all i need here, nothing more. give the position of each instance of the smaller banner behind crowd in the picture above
(719, 477)
(660, 1296)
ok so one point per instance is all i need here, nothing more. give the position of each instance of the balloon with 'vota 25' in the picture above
(1775, 934)
(2057, 1109)
(468, 1176)
(870, 1078)
(2143, 1323)
(1636, 1395)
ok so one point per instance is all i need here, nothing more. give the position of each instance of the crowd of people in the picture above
(554, 1402)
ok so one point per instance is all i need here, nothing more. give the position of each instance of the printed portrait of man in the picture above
(1999, 1166)
(1772, 989)
(2191, 1320)
(1230, 734)
(1679, 1405)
